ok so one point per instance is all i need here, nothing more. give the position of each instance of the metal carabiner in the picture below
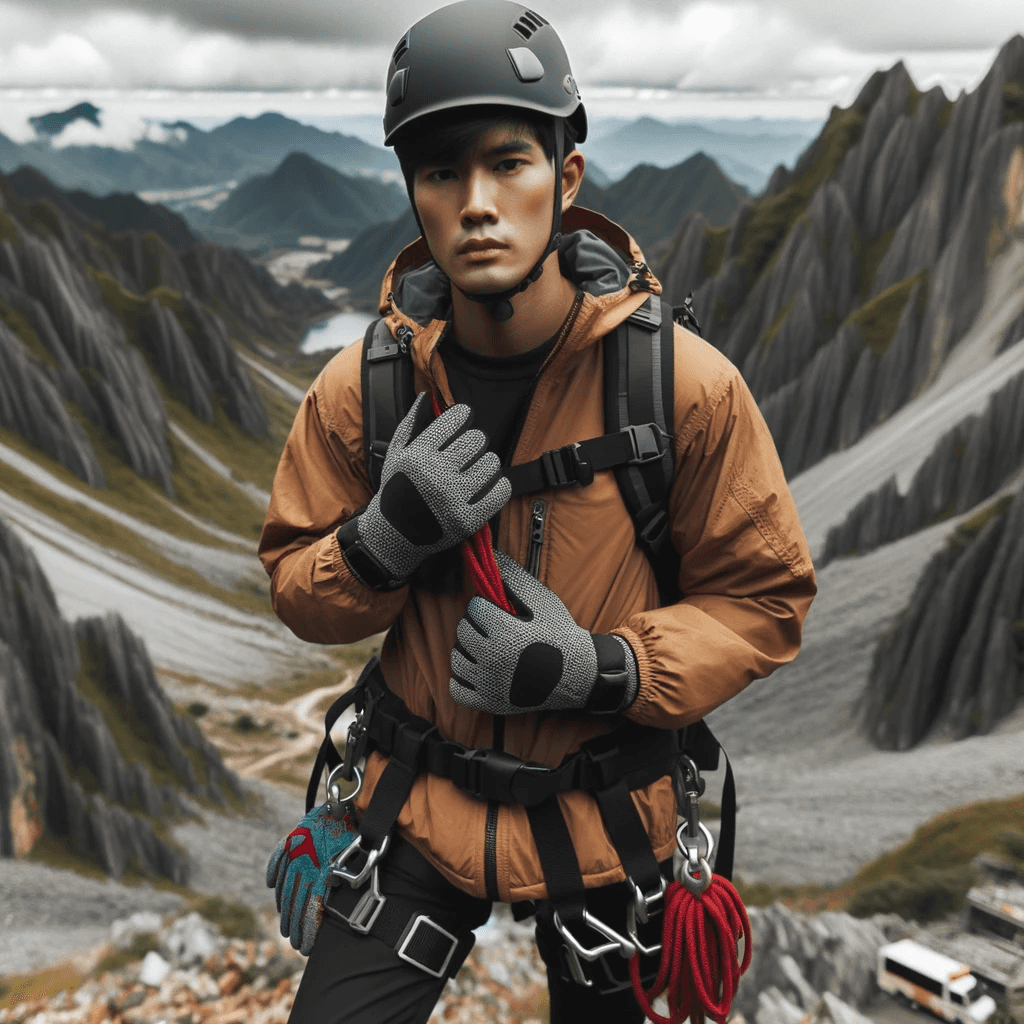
(339, 796)
(356, 879)
(642, 904)
(367, 910)
(697, 872)
(631, 931)
(690, 845)
(619, 943)
(699, 884)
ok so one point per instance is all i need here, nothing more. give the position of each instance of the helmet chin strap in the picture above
(498, 304)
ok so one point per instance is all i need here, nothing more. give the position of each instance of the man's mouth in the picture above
(481, 245)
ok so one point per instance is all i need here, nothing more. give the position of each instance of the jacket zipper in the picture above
(537, 517)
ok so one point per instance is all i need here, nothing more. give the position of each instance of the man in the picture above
(504, 305)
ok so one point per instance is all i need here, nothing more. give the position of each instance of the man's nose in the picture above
(478, 206)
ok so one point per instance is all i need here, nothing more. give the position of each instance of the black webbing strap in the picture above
(328, 756)
(395, 782)
(639, 357)
(387, 388)
(405, 925)
(558, 860)
(634, 753)
(629, 837)
(727, 830)
(576, 464)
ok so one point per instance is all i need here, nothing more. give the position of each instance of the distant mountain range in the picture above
(649, 202)
(748, 155)
(190, 157)
(116, 212)
(300, 197)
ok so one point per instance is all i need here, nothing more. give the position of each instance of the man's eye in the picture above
(441, 174)
(510, 164)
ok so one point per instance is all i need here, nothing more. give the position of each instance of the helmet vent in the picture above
(401, 49)
(528, 23)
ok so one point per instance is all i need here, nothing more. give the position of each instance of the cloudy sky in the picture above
(676, 57)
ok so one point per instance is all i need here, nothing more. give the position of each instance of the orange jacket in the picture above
(745, 575)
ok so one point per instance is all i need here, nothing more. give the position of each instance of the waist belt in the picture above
(633, 753)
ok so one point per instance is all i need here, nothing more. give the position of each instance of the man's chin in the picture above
(485, 285)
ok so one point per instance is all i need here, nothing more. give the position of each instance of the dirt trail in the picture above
(299, 711)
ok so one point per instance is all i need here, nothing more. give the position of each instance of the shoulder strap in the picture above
(639, 368)
(388, 392)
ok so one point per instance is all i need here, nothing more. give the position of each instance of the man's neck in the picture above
(539, 312)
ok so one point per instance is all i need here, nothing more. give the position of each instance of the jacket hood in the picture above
(595, 253)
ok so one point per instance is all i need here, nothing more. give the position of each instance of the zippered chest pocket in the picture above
(538, 517)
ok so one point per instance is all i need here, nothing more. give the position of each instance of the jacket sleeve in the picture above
(320, 482)
(746, 576)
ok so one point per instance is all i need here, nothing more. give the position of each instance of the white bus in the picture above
(928, 979)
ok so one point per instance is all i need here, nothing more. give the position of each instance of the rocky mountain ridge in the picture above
(841, 291)
(91, 752)
(969, 464)
(953, 662)
(94, 324)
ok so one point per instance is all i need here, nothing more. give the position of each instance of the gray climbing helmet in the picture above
(486, 53)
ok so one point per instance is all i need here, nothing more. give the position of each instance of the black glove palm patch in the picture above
(537, 660)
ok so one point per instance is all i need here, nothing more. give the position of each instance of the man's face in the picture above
(487, 215)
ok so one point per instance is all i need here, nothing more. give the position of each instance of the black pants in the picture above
(352, 978)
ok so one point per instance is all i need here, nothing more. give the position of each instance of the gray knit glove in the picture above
(538, 659)
(439, 485)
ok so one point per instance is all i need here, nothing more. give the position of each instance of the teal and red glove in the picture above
(299, 872)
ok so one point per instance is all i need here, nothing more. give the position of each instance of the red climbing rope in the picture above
(479, 555)
(700, 966)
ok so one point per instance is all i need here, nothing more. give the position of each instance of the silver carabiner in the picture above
(642, 904)
(356, 879)
(339, 798)
(619, 943)
(690, 845)
(699, 884)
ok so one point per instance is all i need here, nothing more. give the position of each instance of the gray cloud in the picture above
(782, 48)
(872, 25)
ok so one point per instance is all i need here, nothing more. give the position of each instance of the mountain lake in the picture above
(337, 332)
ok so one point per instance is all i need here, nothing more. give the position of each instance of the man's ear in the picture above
(572, 177)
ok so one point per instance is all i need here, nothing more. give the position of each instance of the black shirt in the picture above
(494, 387)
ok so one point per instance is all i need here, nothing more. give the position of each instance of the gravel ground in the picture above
(48, 914)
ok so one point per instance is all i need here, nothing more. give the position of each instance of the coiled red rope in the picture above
(700, 966)
(478, 553)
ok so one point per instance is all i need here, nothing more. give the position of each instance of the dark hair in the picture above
(446, 136)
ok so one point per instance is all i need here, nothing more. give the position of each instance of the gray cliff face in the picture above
(969, 463)
(804, 956)
(31, 405)
(109, 315)
(954, 660)
(957, 281)
(167, 344)
(62, 768)
(888, 222)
